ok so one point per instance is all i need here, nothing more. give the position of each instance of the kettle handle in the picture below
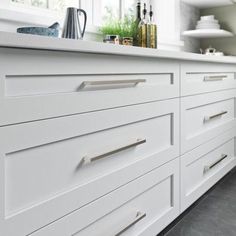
(85, 20)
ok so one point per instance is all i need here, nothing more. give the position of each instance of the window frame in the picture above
(15, 15)
(14, 12)
(17, 7)
(18, 14)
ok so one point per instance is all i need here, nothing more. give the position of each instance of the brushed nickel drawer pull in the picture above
(111, 82)
(207, 168)
(215, 78)
(138, 218)
(207, 118)
(120, 149)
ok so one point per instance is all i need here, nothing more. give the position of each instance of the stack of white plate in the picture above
(208, 22)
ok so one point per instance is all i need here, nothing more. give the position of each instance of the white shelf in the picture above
(208, 33)
(208, 3)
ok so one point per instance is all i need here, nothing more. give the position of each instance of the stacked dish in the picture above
(208, 22)
(208, 27)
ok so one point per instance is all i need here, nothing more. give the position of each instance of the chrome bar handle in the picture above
(111, 82)
(215, 78)
(207, 168)
(138, 218)
(207, 118)
(138, 142)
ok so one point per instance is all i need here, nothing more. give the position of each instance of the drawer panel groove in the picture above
(34, 92)
(29, 85)
(198, 78)
(204, 117)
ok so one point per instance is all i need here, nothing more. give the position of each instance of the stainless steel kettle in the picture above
(72, 26)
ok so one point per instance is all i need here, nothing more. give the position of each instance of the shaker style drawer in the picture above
(143, 207)
(205, 116)
(203, 167)
(53, 167)
(206, 77)
(73, 83)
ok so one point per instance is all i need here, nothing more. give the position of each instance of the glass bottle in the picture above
(152, 31)
(143, 29)
(138, 20)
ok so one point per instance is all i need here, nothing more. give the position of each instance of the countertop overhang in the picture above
(14, 40)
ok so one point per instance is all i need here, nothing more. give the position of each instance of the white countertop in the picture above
(14, 40)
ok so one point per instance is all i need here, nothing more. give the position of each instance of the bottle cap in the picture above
(151, 11)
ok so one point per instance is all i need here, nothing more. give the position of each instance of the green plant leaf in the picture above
(126, 27)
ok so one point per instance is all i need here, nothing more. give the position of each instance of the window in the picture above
(112, 8)
(117, 7)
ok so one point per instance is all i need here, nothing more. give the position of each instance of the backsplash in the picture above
(189, 16)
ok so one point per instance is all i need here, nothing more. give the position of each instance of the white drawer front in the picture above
(62, 164)
(205, 116)
(41, 80)
(143, 207)
(204, 166)
(206, 77)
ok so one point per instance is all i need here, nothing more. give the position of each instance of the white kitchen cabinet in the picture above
(108, 141)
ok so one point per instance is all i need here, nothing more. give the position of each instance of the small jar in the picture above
(128, 41)
(113, 39)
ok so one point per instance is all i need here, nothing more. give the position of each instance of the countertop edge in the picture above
(14, 40)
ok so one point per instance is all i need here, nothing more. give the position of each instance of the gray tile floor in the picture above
(213, 215)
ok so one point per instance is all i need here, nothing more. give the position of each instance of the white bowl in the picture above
(208, 27)
(208, 21)
(211, 17)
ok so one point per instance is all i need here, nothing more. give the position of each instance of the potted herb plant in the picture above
(123, 30)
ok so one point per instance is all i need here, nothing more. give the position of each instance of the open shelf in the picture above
(208, 33)
(208, 3)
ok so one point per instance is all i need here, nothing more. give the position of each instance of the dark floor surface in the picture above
(213, 215)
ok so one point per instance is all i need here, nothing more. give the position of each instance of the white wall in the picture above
(167, 17)
(189, 16)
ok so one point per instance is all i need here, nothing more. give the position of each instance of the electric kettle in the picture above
(72, 27)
